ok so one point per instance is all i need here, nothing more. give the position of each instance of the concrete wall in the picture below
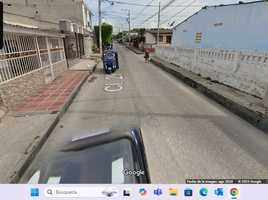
(19, 89)
(244, 70)
(243, 28)
(45, 11)
(88, 42)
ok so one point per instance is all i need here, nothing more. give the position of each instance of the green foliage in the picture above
(106, 33)
(94, 47)
(118, 36)
(139, 30)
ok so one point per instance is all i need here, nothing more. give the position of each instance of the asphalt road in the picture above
(186, 135)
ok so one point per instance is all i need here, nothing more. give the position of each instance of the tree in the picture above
(106, 33)
(139, 30)
(118, 36)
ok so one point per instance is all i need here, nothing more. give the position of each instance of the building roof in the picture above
(160, 31)
(14, 27)
(167, 31)
(15, 24)
(239, 3)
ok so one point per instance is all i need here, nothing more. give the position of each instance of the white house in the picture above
(165, 36)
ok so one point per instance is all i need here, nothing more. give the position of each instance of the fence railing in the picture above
(24, 54)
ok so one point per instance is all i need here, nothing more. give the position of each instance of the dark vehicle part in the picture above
(113, 157)
(109, 46)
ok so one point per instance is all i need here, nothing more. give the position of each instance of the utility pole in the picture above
(128, 23)
(100, 42)
(129, 26)
(158, 23)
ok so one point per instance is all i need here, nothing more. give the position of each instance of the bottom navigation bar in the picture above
(134, 191)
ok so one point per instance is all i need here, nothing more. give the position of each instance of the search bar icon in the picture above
(49, 191)
(81, 192)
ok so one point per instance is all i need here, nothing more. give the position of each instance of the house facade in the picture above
(237, 26)
(29, 60)
(165, 36)
(125, 35)
(71, 17)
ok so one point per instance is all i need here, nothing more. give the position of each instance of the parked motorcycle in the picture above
(110, 61)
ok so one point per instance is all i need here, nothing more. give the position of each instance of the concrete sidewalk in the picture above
(246, 106)
(86, 65)
(135, 50)
(25, 129)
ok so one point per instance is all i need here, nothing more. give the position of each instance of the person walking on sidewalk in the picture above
(146, 56)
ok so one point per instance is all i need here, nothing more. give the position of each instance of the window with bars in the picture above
(56, 49)
(198, 37)
(18, 56)
(23, 54)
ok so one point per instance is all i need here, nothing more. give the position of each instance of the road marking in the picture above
(113, 87)
(115, 90)
(115, 76)
(114, 84)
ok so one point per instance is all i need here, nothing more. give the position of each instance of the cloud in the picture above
(152, 23)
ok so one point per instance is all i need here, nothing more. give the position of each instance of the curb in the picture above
(32, 155)
(134, 50)
(248, 115)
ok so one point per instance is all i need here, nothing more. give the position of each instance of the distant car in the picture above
(113, 157)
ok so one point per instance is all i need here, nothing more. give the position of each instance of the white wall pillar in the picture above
(265, 98)
(236, 60)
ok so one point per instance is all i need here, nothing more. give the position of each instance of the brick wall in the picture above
(59, 68)
(19, 89)
(1, 101)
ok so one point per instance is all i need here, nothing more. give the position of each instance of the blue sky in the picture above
(142, 16)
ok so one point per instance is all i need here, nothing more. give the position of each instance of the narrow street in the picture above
(186, 135)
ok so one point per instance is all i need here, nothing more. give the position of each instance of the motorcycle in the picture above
(110, 46)
(110, 61)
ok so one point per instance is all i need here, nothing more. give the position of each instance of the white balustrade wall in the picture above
(243, 70)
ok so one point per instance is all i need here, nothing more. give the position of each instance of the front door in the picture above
(169, 39)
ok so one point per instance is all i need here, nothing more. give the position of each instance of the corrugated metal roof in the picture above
(15, 24)
(28, 29)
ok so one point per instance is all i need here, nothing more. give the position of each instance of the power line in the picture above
(164, 6)
(190, 11)
(112, 10)
(175, 7)
(143, 10)
(179, 12)
(135, 4)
